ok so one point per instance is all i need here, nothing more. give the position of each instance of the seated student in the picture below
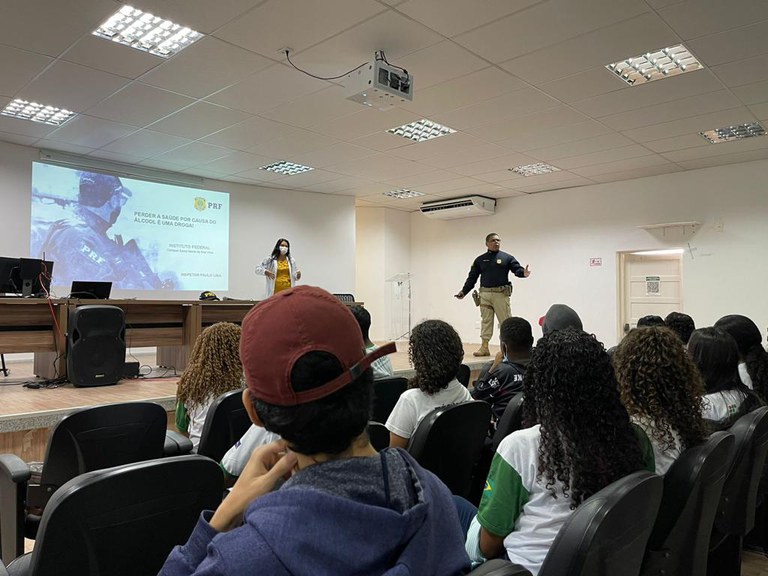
(583, 441)
(382, 368)
(504, 378)
(662, 390)
(717, 356)
(214, 368)
(650, 320)
(346, 509)
(558, 317)
(681, 324)
(753, 368)
(436, 352)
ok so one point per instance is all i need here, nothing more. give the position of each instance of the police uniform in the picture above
(493, 269)
(81, 249)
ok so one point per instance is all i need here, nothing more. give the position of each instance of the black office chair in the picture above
(122, 521)
(378, 435)
(608, 532)
(511, 420)
(86, 440)
(386, 393)
(736, 514)
(346, 298)
(463, 375)
(225, 423)
(679, 543)
(449, 440)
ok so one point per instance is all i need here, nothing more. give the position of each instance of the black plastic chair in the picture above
(122, 521)
(464, 374)
(608, 532)
(378, 435)
(449, 440)
(736, 514)
(86, 440)
(679, 543)
(346, 298)
(511, 420)
(386, 393)
(225, 423)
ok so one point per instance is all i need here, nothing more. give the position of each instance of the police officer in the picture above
(493, 268)
(81, 248)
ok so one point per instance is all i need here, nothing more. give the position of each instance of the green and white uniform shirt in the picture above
(517, 505)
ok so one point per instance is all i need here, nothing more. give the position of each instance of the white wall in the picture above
(724, 271)
(383, 250)
(321, 229)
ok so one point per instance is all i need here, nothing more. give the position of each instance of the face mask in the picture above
(283, 250)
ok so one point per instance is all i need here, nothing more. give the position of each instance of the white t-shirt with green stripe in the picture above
(517, 505)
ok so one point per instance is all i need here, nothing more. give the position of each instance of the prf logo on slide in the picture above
(202, 204)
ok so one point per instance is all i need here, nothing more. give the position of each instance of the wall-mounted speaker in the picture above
(95, 345)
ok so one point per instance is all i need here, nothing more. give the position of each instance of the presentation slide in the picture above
(137, 234)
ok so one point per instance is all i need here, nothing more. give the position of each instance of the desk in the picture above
(28, 325)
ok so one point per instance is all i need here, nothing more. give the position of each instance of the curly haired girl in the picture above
(436, 352)
(662, 390)
(214, 368)
(583, 442)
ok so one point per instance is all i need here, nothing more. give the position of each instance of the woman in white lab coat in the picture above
(280, 268)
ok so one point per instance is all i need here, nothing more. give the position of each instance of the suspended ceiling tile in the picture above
(696, 18)
(91, 132)
(641, 162)
(199, 120)
(452, 17)
(18, 67)
(108, 56)
(145, 143)
(139, 105)
(623, 153)
(201, 15)
(607, 141)
(250, 133)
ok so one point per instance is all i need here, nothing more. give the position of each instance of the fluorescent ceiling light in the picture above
(37, 112)
(535, 169)
(738, 132)
(667, 252)
(403, 193)
(661, 63)
(286, 168)
(421, 130)
(144, 31)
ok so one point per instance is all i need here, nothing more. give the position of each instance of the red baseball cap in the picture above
(282, 328)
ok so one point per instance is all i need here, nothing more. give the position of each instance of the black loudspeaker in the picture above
(96, 345)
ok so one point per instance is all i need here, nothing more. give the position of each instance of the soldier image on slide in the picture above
(81, 248)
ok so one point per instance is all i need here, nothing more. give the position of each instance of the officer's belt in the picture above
(494, 289)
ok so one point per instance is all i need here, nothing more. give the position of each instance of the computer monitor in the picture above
(90, 290)
(28, 277)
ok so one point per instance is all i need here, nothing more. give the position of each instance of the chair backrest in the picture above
(102, 437)
(608, 532)
(125, 520)
(511, 420)
(225, 423)
(346, 298)
(679, 543)
(448, 441)
(386, 393)
(464, 374)
(378, 435)
(499, 567)
(736, 514)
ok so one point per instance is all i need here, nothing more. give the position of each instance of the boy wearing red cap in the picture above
(346, 509)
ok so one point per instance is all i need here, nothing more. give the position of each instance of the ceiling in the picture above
(522, 81)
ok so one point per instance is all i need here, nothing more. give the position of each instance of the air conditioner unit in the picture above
(464, 207)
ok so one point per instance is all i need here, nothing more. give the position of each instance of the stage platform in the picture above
(27, 414)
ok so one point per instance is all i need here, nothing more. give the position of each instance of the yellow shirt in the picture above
(283, 279)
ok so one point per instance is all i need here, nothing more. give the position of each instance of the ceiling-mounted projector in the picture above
(379, 84)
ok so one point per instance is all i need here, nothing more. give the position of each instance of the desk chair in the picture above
(225, 423)
(346, 298)
(449, 440)
(386, 393)
(86, 440)
(679, 543)
(122, 521)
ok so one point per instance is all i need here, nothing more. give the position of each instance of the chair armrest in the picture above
(498, 567)
(14, 469)
(14, 475)
(176, 444)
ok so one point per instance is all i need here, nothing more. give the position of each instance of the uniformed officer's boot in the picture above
(483, 350)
